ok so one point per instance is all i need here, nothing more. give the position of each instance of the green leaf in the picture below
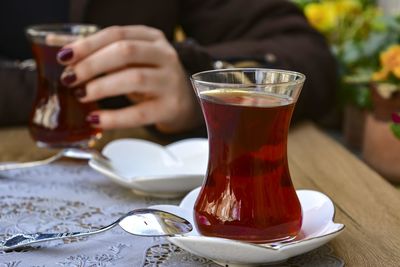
(362, 98)
(350, 52)
(374, 44)
(395, 129)
(303, 3)
(358, 75)
(357, 94)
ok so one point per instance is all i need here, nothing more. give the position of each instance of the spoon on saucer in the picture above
(76, 153)
(141, 222)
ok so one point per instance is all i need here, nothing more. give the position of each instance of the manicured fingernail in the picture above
(68, 77)
(80, 92)
(93, 119)
(65, 54)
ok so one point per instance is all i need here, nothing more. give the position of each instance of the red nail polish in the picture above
(68, 77)
(80, 92)
(65, 54)
(93, 119)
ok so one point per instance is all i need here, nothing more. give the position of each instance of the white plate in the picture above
(151, 169)
(317, 229)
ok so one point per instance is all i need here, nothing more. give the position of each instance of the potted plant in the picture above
(362, 39)
(381, 144)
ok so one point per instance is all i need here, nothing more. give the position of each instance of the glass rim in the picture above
(40, 30)
(194, 77)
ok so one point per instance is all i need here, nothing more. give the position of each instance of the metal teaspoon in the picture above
(141, 222)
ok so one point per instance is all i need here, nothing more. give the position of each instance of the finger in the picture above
(144, 113)
(126, 81)
(116, 56)
(84, 47)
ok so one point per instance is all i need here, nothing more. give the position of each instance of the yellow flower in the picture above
(321, 16)
(396, 72)
(380, 75)
(390, 62)
(391, 57)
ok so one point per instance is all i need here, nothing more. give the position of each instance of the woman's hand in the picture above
(139, 62)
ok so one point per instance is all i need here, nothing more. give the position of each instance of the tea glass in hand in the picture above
(58, 119)
(248, 194)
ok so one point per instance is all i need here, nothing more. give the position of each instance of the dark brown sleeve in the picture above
(273, 31)
(17, 90)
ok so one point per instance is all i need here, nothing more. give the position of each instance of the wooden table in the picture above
(367, 204)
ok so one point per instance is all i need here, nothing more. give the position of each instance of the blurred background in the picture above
(364, 36)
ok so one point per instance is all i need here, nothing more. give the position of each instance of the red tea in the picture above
(248, 193)
(58, 119)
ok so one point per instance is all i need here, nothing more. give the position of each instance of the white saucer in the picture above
(151, 169)
(318, 228)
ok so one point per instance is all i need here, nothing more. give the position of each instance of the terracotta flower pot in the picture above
(384, 107)
(381, 149)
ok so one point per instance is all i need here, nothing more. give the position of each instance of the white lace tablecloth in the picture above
(69, 196)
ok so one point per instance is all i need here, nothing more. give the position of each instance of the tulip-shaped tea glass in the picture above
(248, 193)
(58, 119)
